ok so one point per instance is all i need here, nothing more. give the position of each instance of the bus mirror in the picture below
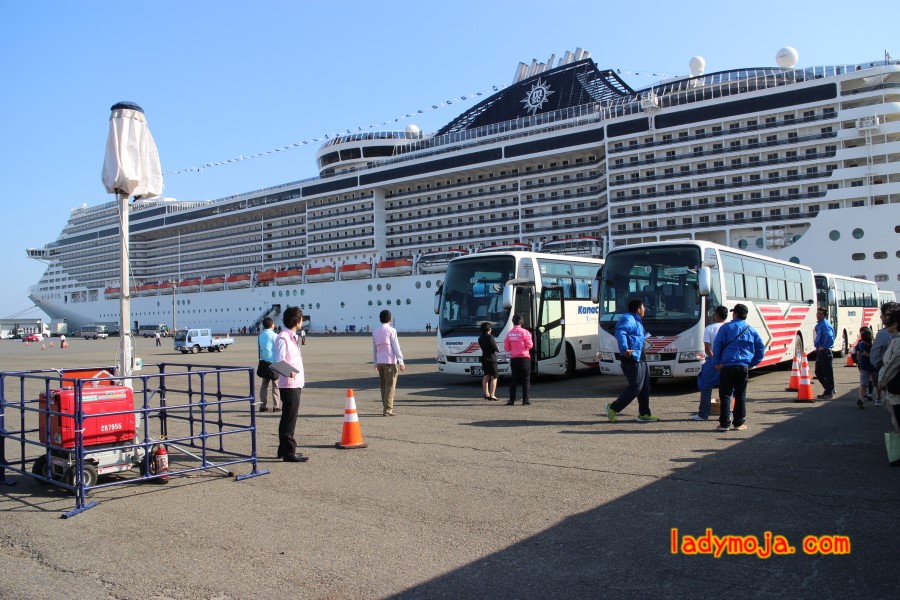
(704, 281)
(508, 291)
(595, 291)
(437, 302)
(832, 298)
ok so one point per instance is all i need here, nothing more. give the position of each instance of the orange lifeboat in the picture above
(166, 287)
(237, 281)
(288, 276)
(320, 274)
(213, 284)
(148, 289)
(394, 268)
(112, 292)
(361, 270)
(265, 277)
(188, 285)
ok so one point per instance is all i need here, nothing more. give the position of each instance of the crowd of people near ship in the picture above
(732, 348)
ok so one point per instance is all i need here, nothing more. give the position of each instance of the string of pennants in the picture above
(328, 136)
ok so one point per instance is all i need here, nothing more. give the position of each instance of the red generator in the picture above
(98, 430)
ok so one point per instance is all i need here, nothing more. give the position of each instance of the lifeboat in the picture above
(237, 281)
(148, 289)
(265, 277)
(288, 276)
(188, 285)
(213, 284)
(393, 268)
(112, 292)
(436, 262)
(320, 274)
(514, 247)
(583, 246)
(361, 270)
(166, 287)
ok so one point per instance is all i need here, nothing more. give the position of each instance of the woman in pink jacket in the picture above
(518, 343)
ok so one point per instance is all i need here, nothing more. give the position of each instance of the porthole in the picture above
(389, 302)
(743, 244)
(795, 260)
(343, 304)
(835, 235)
(370, 303)
(302, 292)
(370, 287)
(318, 306)
(387, 286)
(858, 256)
(378, 287)
(858, 233)
(398, 301)
(379, 303)
(295, 293)
(418, 285)
(759, 242)
(428, 284)
(408, 301)
(273, 293)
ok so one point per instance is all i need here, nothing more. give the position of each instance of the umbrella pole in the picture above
(125, 350)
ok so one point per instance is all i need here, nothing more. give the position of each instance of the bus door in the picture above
(550, 329)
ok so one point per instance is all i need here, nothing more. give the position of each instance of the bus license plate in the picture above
(660, 371)
(476, 371)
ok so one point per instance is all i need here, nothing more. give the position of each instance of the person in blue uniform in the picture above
(630, 337)
(736, 349)
(824, 342)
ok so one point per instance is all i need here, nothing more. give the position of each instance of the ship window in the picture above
(858, 256)
(881, 255)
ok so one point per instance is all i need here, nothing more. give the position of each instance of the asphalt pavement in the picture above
(458, 497)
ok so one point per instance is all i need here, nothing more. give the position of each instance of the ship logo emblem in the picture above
(537, 96)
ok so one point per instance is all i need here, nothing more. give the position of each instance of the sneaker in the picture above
(723, 428)
(697, 417)
(861, 404)
(647, 418)
(390, 413)
(613, 415)
(741, 427)
(878, 402)
(824, 396)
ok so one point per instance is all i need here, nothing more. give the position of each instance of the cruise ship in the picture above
(798, 163)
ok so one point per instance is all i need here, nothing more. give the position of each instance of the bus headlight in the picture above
(607, 356)
(441, 359)
(691, 356)
(503, 357)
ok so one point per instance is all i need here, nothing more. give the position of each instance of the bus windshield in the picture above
(473, 293)
(664, 278)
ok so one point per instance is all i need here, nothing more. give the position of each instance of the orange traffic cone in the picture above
(850, 362)
(351, 436)
(26, 343)
(64, 344)
(43, 346)
(51, 343)
(794, 383)
(805, 393)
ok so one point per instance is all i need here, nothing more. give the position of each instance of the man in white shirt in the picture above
(388, 358)
(708, 378)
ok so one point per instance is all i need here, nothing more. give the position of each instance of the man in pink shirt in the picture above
(288, 350)
(387, 358)
(518, 343)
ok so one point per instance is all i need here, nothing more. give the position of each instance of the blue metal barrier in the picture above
(204, 415)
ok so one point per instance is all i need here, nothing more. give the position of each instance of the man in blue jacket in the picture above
(736, 349)
(824, 342)
(630, 338)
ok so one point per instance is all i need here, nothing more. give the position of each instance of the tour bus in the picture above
(682, 282)
(850, 304)
(885, 296)
(152, 330)
(551, 292)
(94, 332)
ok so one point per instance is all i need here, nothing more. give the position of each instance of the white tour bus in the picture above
(850, 304)
(551, 292)
(682, 282)
(94, 332)
(885, 296)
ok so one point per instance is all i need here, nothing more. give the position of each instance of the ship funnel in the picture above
(566, 59)
(579, 54)
(586, 55)
(520, 72)
(550, 61)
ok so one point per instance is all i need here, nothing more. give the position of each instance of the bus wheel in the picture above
(569, 368)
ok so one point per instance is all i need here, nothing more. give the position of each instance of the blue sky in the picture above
(220, 80)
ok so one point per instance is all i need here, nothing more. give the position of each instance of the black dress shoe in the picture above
(263, 409)
(511, 402)
(526, 402)
(295, 458)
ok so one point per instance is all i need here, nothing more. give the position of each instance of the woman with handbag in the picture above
(889, 376)
(266, 343)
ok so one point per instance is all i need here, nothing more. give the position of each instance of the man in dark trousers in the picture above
(630, 336)
(824, 342)
(736, 349)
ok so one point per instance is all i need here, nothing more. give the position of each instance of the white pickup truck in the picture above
(195, 340)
